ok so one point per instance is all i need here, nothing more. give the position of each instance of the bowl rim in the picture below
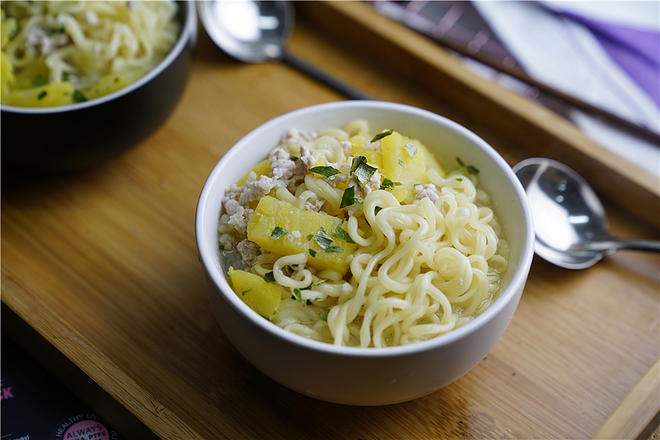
(188, 31)
(517, 281)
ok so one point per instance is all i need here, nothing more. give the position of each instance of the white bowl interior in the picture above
(442, 136)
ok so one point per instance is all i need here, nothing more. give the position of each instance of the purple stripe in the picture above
(636, 51)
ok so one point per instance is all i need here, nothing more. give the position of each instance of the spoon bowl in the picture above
(256, 32)
(569, 219)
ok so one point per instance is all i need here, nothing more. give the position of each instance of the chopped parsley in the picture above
(269, 277)
(78, 96)
(293, 158)
(411, 149)
(339, 232)
(325, 171)
(324, 315)
(388, 184)
(222, 247)
(312, 252)
(361, 169)
(278, 232)
(382, 134)
(377, 210)
(469, 168)
(402, 163)
(349, 198)
(245, 291)
(42, 95)
(298, 294)
(64, 76)
(460, 179)
(323, 239)
(334, 249)
(310, 236)
(39, 81)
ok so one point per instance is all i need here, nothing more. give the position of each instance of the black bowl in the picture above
(79, 136)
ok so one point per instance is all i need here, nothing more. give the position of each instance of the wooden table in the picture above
(103, 267)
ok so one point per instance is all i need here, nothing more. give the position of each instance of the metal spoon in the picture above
(256, 31)
(569, 219)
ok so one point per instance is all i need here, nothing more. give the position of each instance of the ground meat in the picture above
(286, 171)
(373, 184)
(248, 251)
(427, 190)
(306, 157)
(238, 216)
(255, 189)
(226, 241)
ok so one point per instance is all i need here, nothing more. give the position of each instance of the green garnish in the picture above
(312, 252)
(357, 161)
(293, 158)
(39, 81)
(310, 236)
(78, 96)
(325, 171)
(222, 247)
(269, 277)
(245, 291)
(349, 198)
(339, 232)
(469, 168)
(278, 232)
(460, 179)
(382, 134)
(323, 239)
(298, 294)
(364, 173)
(402, 163)
(411, 149)
(324, 315)
(64, 76)
(388, 184)
(42, 95)
(334, 249)
(377, 210)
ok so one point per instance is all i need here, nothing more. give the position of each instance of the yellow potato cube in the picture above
(299, 231)
(261, 296)
(44, 96)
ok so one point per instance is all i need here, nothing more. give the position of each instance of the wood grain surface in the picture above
(103, 265)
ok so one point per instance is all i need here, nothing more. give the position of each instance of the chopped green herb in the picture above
(64, 76)
(42, 95)
(357, 161)
(78, 96)
(325, 171)
(364, 172)
(349, 198)
(382, 134)
(293, 158)
(61, 29)
(377, 210)
(402, 163)
(323, 239)
(324, 315)
(460, 179)
(411, 149)
(388, 184)
(222, 247)
(245, 291)
(278, 232)
(310, 236)
(39, 81)
(339, 232)
(334, 249)
(469, 168)
(312, 252)
(298, 293)
(269, 277)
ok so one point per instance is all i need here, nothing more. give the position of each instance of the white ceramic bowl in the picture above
(367, 376)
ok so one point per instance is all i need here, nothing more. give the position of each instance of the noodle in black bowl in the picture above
(85, 133)
(356, 312)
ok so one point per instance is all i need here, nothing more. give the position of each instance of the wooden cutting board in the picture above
(103, 266)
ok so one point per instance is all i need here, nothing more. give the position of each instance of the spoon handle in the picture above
(612, 245)
(322, 76)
